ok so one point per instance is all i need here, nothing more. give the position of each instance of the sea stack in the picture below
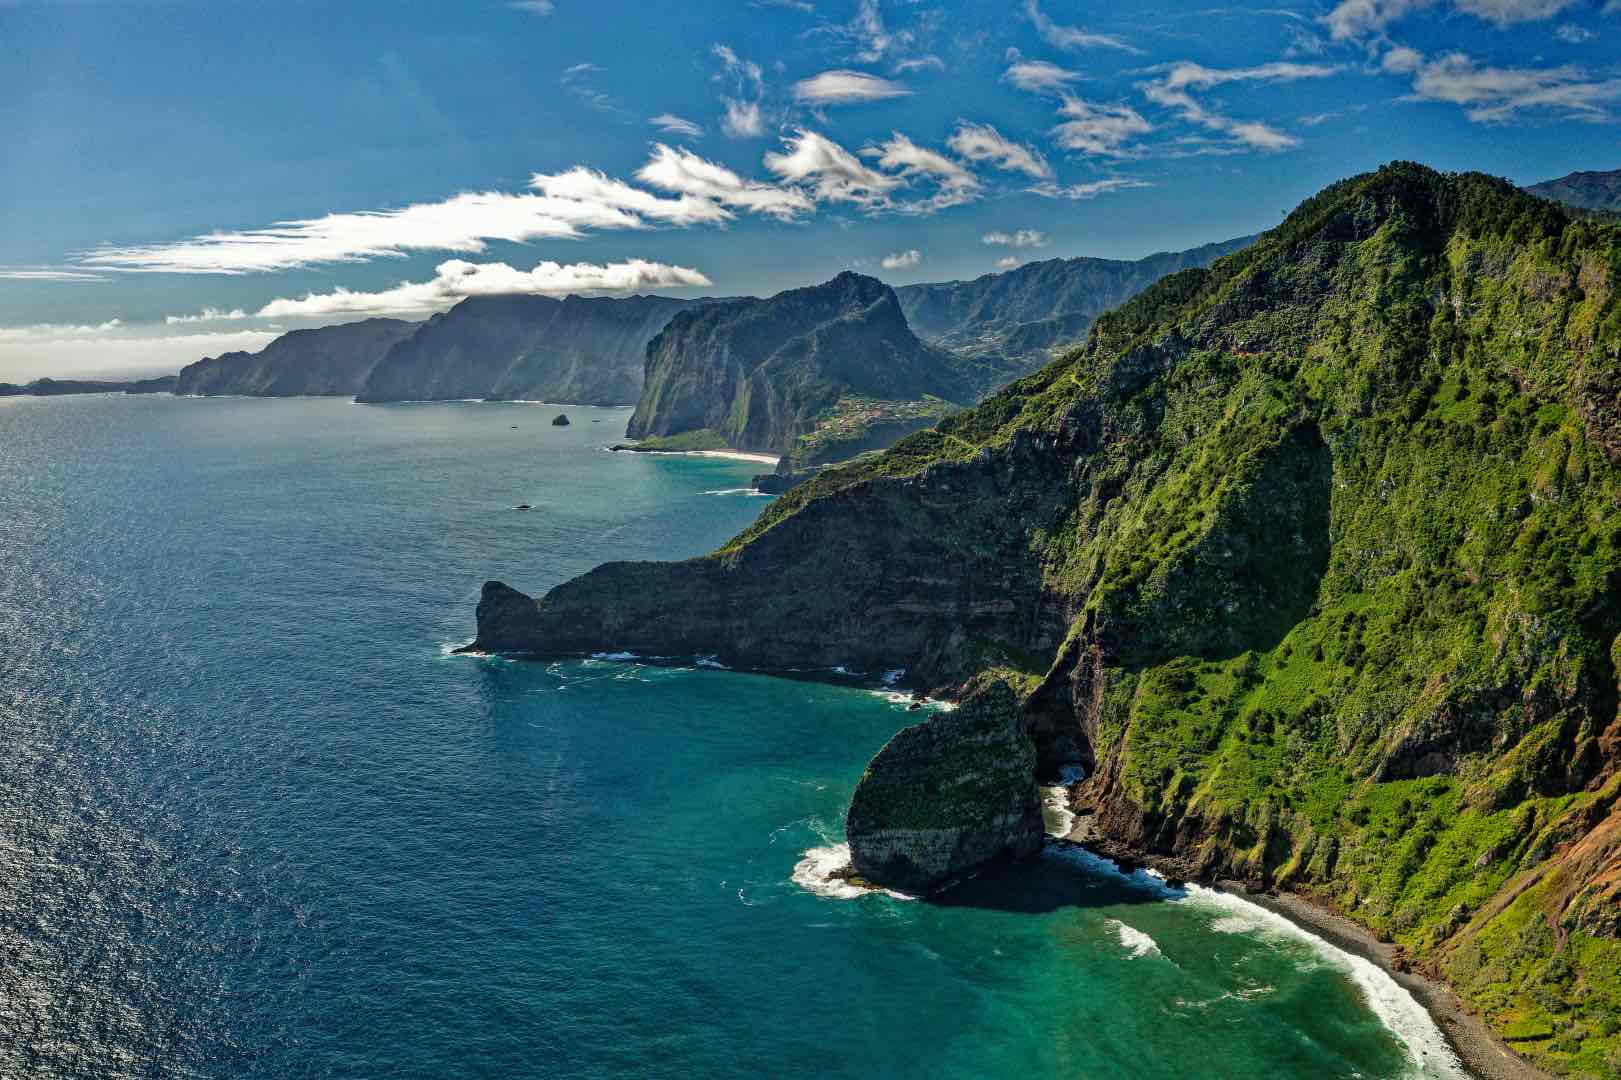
(560, 420)
(948, 795)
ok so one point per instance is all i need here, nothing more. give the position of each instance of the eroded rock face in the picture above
(948, 795)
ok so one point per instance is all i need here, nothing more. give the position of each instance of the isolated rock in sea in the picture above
(560, 420)
(948, 795)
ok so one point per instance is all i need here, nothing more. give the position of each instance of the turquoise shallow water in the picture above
(254, 822)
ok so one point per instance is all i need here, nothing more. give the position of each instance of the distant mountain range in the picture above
(1023, 314)
(1584, 190)
(331, 360)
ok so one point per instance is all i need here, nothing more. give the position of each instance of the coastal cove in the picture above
(274, 829)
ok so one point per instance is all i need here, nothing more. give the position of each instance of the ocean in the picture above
(258, 822)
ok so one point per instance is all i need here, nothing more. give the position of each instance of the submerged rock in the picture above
(948, 795)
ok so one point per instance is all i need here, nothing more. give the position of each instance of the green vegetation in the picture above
(702, 439)
(857, 423)
(1341, 560)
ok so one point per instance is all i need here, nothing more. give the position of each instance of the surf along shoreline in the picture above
(1482, 1051)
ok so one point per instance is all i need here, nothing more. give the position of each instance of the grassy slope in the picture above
(1417, 745)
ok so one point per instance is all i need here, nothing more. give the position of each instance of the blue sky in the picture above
(424, 152)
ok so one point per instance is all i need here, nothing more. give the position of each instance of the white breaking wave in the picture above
(1135, 941)
(1397, 1009)
(819, 872)
(711, 662)
(614, 656)
(736, 491)
(1055, 811)
(890, 678)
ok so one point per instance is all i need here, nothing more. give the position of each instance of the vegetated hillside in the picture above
(1313, 559)
(63, 387)
(327, 360)
(1584, 190)
(576, 351)
(1024, 313)
(818, 373)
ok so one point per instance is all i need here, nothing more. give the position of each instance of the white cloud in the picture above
(671, 124)
(534, 7)
(1198, 77)
(49, 275)
(1495, 95)
(1008, 263)
(845, 88)
(1071, 37)
(457, 279)
(46, 332)
(956, 184)
(564, 205)
(1091, 128)
(1402, 61)
(1572, 34)
(743, 115)
(742, 119)
(1039, 76)
(1090, 190)
(982, 142)
(902, 260)
(1352, 19)
(1023, 238)
(1172, 91)
(1508, 12)
(867, 28)
(833, 173)
(919, 63)
(95, 354)
(208, 314)
(686, 173)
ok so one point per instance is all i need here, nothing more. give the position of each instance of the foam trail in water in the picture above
(1135, 941)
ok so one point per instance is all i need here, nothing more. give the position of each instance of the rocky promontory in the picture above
(948, 795)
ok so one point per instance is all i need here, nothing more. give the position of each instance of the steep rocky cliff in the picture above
(323, 361)
(827, 364)
(1312, 558)
(577, 351)
(1024, 313)
(945, 796)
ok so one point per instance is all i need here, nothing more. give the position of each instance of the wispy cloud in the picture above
(1007, 263)
(1023, 238)
(919, 63)
(25, 274)
(843, 87)
(902, 260)
(1497, 95)
(534, 7)
(1101, 129)
(1354, 19)
(1571, 34)
(671, 124)
(1172, 90)
(207, 315)
(956, 184)
(1509, 12)
(457, 279)
(831, 172)
(1039, 76)
(742, 107)
(42, 332)
(982, 142)
(1089, 190)
(685, 173)
(1071, 37)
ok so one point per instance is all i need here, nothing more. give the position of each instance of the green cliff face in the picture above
(814, 373)
(1313, 558)
(948, 795)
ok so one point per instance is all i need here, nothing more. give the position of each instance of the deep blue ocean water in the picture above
(254, 822)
